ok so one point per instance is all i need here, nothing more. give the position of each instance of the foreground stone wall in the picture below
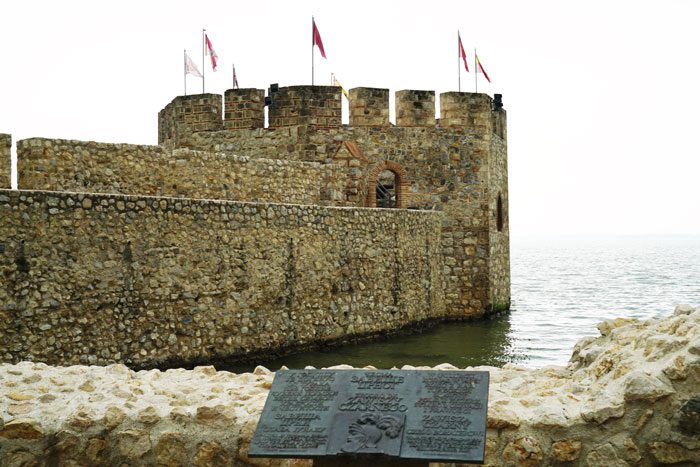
(5, 161)
(93, 278)
(86, 166)
(630, 397)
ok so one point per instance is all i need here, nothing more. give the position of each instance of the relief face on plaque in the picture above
(366, 433)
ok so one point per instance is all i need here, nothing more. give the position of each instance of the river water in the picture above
(561, 287)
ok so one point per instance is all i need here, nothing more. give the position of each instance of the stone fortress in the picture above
(230, 238)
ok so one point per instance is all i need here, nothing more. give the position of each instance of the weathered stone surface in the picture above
(171, 450)
(690, 416)
(132, 444)
(20, 458)
(683, 309)
(210, 454)
(141, 417)
(604, 455)
(640, 385)
(566, 450)
(113, 417)
(603, 408)
(673, 453)
(93, 452)
(523, 452)
(21, 428)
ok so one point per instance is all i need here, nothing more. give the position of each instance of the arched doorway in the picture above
(387, 186)
(386, 189)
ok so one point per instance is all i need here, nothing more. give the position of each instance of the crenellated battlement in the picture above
(369, 107)
(243, 108)
(5, 160)
(320, 107)
(317, 106)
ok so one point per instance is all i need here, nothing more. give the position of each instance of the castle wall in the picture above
(83, 166)
(92, 278)
(499, 232)
(5, 160)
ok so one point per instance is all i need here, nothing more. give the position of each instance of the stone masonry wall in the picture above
(499, 241)
(199, 112)
(84, 166)
(628, 397)
(447, 169)
(5, 160)
(98, 279)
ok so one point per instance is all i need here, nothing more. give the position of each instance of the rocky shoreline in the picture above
(628, 397)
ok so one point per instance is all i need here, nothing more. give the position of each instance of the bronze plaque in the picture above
(422, 415)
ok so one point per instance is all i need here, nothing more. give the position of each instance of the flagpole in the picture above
(184, 62)
(204, 67)
(476, 71)
(233, 76)
(312, 51)
(459, 69)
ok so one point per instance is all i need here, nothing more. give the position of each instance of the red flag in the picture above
(317, 39)
(462, 53)
(210, 48)
(481, 68)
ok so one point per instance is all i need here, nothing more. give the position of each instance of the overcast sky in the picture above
(601, 95)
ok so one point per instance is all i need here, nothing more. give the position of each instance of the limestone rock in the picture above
(20, 409)
(92, 454)
(523, 452)
(210, 454)
(683, 309)
(689, 420)
(566, 450)
(604, 456)
(22, 428)
(83, 418)
(20, 458)
(132, 444)
(19, 397)
(641, 386)
(113, 417)
(217, 416)
(171, 450)
(149, 416)
(608, 325)
(672, 453)
(500, 416)
(602, 408)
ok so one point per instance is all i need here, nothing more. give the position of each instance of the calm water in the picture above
(561, 288)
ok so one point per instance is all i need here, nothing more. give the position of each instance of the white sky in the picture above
(601, 95)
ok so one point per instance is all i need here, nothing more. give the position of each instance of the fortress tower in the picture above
(456, 165)
(235, 236)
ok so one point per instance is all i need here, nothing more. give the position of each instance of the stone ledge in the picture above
(619, 401)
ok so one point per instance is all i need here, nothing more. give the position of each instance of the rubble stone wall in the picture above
(629, 397)
(99, 279)
(86, 166)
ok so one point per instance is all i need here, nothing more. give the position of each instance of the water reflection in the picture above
(461, 344)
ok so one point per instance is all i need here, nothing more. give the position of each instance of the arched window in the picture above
(387, 186)
(499, 214)
(386, 189)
